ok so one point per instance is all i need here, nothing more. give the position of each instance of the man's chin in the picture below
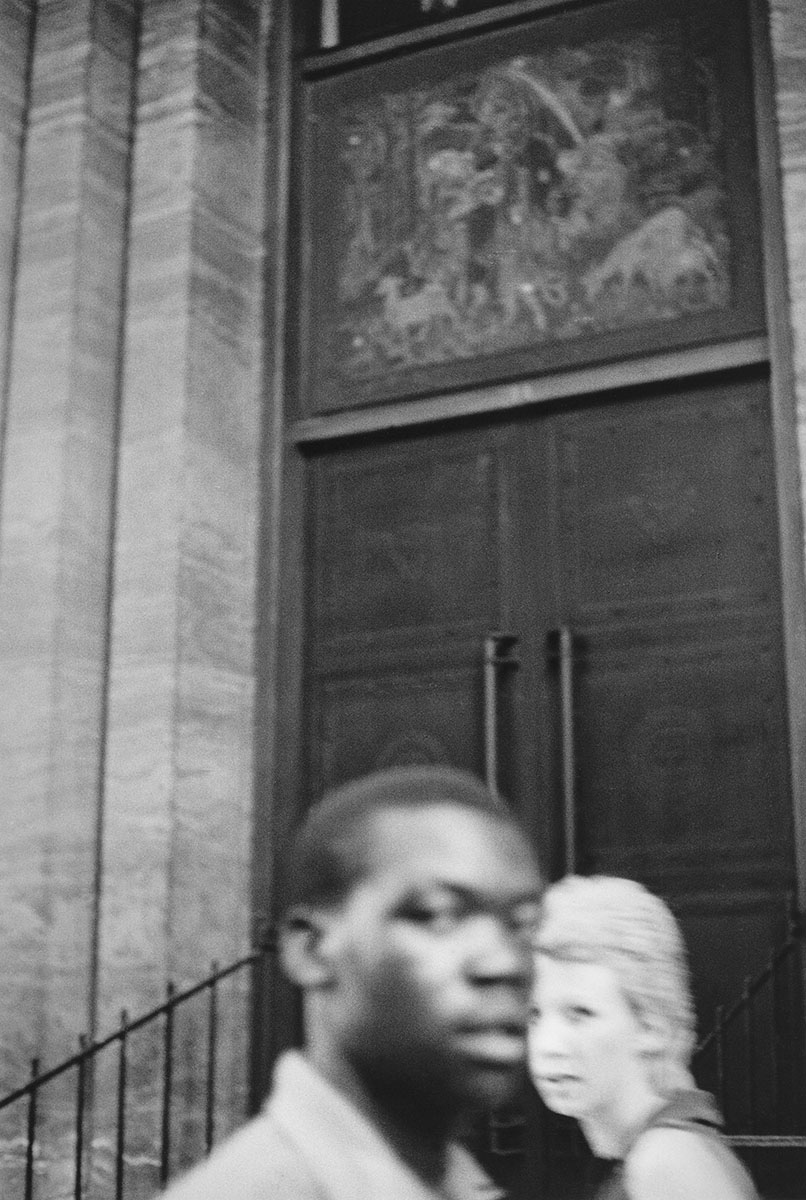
(489, 1085)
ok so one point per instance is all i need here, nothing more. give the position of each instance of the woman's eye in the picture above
(580, 1012)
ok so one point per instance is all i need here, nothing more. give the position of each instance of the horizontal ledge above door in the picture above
(497, 398)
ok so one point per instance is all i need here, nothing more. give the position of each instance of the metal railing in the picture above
(83, 1064)
(754, 1058)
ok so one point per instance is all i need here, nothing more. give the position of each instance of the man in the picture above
(412, 900)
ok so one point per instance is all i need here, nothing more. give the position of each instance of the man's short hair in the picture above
(329, 853)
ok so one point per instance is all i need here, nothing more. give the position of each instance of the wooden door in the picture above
(643, 523)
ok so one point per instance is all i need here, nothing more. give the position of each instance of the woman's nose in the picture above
(546, 1038)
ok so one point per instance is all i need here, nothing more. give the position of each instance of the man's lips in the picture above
(494, 1042)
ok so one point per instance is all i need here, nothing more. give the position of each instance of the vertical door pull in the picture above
(566, 647)
(497, 654)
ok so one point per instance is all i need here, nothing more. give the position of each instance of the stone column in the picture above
(177, 816)
(788, 25)
(788, 42)
(57, 499)
(16, 30)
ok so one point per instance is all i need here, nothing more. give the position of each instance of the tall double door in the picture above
(585, 603)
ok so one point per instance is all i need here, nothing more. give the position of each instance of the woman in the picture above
(610, 1041)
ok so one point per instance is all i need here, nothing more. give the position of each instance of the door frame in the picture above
(287, 441)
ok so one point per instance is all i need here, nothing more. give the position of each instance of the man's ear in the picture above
(302, 937)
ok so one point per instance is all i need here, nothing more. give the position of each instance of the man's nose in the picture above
(498, 952)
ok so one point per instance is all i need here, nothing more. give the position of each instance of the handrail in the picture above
(753, 986)
(756, 1044)
(89, 1050)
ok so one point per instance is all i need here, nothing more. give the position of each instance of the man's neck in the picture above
(417, 1127)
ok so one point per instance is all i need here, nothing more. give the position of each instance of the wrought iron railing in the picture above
(754, 1057)
(83, 1064)
(753, 1060)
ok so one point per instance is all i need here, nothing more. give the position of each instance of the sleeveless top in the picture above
(696, 1112)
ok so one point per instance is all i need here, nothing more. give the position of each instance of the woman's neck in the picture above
(611, 1133)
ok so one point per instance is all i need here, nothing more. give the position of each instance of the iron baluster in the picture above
(750, 1042)
(212, 1045)
(31, 1138)
(776, 1039)
(120, 1133)
(719, 1030)
(167, 1073)
(81, 1083)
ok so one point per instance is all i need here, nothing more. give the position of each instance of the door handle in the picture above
(567, 741)
(497, 649)
(563, 638)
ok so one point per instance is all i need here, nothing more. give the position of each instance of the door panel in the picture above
(665, 506)
(406, 580)
(380, 717)
(668, 576)
(647, 525)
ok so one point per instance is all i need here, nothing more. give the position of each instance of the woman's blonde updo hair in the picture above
(618, 923)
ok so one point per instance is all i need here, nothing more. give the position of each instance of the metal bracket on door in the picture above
(497, 654)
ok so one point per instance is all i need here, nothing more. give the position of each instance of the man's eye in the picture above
(440, 916)
(580, 1012)
(524, 919)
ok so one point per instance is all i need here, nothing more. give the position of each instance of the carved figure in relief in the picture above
(668, 254)
(407, 313)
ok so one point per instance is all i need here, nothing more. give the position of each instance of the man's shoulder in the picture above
(257, 1162)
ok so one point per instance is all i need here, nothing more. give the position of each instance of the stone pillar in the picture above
(58, 476)
(16, 29)
(788, 42)
(788, 26)
(56, 504)
(175, 891)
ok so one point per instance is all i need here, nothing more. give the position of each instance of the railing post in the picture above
(167, 1074)
(719, 1029)
(120, 1134)
(212, 1045)
(80, 1097)
(749, 1034)
(777, 1041)
(31, 1135)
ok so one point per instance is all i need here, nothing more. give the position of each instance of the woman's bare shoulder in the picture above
(680, 1164)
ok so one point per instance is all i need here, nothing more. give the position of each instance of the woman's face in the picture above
(587, 1048)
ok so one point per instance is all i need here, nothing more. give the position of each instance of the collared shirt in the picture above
(347, 1154)
(310, 1143)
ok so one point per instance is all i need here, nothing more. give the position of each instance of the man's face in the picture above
(431, 956)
